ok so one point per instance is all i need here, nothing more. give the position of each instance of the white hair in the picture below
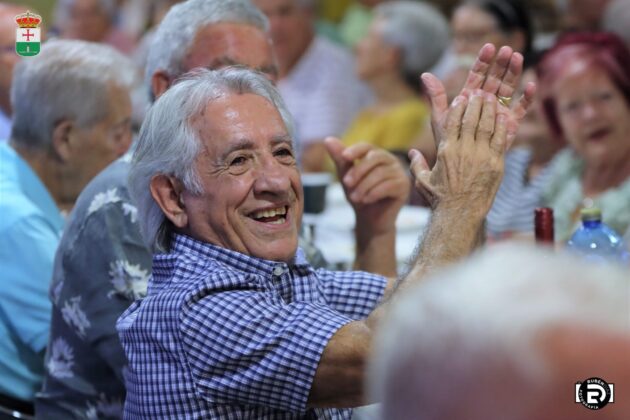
(418, 29)
(617, 19)
(168, 143)
(68, 79)
(176, 33)
(458, 329)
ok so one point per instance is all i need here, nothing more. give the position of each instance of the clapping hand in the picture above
(374, 181)
(498, 73)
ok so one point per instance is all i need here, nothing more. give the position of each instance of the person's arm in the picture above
(460, 188)
(471, 140)
(109, 252)
(28, 252)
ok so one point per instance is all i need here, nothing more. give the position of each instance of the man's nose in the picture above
(272, 177)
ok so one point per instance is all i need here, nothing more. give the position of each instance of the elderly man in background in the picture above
(71, 118)
(259, 332)
(102, 264)
(94, 21)
(507, 336)
(8, 60)
(317, 79)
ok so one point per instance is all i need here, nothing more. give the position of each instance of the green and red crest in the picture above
(28, 37)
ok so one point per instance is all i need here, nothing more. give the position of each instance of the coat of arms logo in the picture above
(28, 34)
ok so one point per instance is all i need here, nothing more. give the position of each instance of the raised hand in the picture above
(469, 164)
(374, 181)
(498, 73)
(377, 186)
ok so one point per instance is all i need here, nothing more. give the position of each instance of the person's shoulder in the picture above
(565, 165)
(18, 210)
(412, 109)
(106, 188)
(200, 275)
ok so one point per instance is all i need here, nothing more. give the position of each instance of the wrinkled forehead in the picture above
(245, 120)
(224, 44)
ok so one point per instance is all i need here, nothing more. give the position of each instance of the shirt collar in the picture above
(186, 245)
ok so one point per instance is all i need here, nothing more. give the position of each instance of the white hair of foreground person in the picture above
(176, 33)
(68, 79)
(505, 336)
(169, 143)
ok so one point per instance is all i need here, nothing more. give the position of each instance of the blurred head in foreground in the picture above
(506, 335)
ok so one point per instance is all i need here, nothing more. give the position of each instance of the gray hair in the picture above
(176, 33)
(62, 11)
(68, 79)
(168, 143)
(456, 330)
(418, 29)
(617, 18)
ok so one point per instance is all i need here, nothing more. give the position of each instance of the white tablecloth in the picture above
(333, 229)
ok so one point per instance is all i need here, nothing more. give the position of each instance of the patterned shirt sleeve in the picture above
(353, 293)
(105, 268)
(246, 348)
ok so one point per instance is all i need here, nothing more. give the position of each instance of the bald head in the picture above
(218, 33)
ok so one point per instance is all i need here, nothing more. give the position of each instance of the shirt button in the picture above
(278, 270)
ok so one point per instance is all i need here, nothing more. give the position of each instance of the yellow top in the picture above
(394, 130)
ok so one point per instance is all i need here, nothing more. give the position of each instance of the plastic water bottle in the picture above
(596, 241)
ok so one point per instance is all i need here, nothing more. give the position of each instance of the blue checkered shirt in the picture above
(227, 336)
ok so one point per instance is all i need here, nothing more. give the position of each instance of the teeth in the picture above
(270, 213)
(278, 222)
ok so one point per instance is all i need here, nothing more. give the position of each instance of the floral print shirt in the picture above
(101, 267)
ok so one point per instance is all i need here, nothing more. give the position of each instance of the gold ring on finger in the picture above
(505, 100)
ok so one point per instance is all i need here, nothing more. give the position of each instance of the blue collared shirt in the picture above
(224, 335)
(30, 228)
(5, 127)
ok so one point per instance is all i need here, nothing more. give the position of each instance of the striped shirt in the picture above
(224, 335)
(514, 204)
(322, 92)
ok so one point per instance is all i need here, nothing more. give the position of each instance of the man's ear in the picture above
(160, 82)
(167, 192)
(61, 144)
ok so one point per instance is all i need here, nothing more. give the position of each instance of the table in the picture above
(333, 230)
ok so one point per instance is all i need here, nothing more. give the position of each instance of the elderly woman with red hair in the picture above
(584, 83)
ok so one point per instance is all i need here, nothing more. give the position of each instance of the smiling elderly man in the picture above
(236, 323)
